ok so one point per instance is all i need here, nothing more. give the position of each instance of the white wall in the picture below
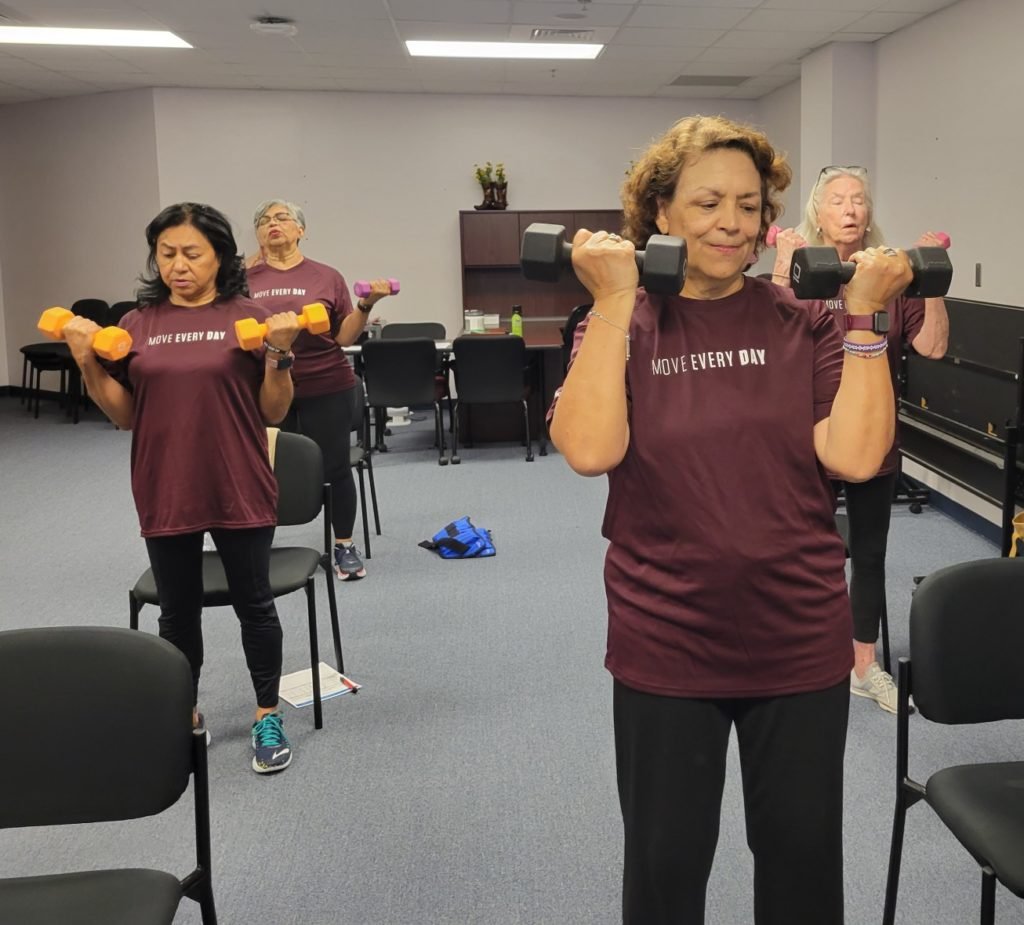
(79, 184)
(382, 177)
(950, 137)
(779, 117)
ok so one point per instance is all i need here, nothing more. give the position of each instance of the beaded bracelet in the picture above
(614, 325)
(867, 351)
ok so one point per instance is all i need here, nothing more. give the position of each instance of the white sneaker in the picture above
(876, 685)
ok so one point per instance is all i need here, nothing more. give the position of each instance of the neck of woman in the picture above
(282, 258)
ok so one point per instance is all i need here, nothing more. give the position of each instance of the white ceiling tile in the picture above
(452, 10)
(741, 4)
(914, 6)
(762, 57)
(866, 37)
(655, 37)
(547, 14)
(629, 53)
(455, 31)
(695, 93)
(816, 5)
(806, 21)
(737, 38)
(884, 22)
(685, 17)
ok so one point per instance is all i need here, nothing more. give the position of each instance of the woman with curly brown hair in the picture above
(715, 414)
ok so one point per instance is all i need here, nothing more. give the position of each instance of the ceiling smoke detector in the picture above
(274, 25)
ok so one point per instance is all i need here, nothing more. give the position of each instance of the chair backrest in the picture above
(299, 468)
(358, 405)
(93, 309)
(966, 640)
(119, 309)
(489, 368)
(569, 331)
(432, 329)
(399, 372)
(103, 718)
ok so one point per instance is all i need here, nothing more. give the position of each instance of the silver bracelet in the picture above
(272, 348)
(614, 325)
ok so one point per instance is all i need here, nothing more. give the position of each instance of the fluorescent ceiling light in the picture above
(559, 50)
(131, 38)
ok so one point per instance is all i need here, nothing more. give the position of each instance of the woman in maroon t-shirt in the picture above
(283, 279)
(198, 406)
(840, 214)
(715, 414)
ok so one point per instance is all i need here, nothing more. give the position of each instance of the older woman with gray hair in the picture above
(286, 280)
(840, 214)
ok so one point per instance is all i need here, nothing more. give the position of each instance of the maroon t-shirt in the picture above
(199, 443)
(320, 366)
(906, 317)
(724, 574)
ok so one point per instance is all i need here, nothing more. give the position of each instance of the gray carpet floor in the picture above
(471, 780)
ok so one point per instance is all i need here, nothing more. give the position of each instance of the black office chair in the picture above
(94, 309)
(56, 681)
(45, 357)
(435, 331)
(569, 331)
(361, 459)
(119, 309)
(302, 495)
(400, 373)
(491, 370)
(966, 639)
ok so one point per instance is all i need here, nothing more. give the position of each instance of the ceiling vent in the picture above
(274, 25)
(699, 80)
(562, 35)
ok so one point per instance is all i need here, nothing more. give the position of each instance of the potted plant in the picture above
(500, 188)
(485, 177)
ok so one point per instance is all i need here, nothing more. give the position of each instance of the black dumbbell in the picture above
(817, 272)
(546, 252)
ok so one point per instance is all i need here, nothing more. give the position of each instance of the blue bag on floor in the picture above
(461, 540)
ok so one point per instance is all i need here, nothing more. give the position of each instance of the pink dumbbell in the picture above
(363, 288)
(944, 240)
(769, 238)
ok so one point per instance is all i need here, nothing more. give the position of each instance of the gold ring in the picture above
(614, 237)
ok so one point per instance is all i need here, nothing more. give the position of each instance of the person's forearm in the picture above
(276, 395)
(863, 420)
(590, 426)
(114, 400)
(932, 340)
(353, 325)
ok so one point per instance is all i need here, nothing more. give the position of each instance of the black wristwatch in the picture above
(365, 309)
(877, 322)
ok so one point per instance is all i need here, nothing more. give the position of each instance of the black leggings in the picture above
(327, 419)
(670, 760)
(177, 563)
(868, 506)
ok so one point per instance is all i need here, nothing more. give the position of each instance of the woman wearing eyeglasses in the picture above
(715, 414)
(840, 214)
(286, 280)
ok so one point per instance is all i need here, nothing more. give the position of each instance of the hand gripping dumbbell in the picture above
(251, 333)
(817, 272)
(111, 343)
(546, 252)
(363, 288)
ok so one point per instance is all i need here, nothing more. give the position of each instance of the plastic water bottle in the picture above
(515, 323)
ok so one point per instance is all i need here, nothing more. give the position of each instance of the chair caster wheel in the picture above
(915, 508)
(442, 461)
(456, 460)
(529, 458)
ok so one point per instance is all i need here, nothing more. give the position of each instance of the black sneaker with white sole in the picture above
(347, 564)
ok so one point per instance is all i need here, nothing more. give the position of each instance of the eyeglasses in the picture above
(851, 168)
(279, 217)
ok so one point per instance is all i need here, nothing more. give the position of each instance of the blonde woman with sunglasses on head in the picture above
(840, 214)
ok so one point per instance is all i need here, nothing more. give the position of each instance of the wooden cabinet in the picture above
(491, 279)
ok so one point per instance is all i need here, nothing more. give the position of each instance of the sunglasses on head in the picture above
(849, 168)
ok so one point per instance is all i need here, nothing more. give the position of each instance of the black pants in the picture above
(670, 757)
(327, 419)
(177, 563)
(868, 507)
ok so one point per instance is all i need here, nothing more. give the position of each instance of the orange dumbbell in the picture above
(110, 343)
(251, 333)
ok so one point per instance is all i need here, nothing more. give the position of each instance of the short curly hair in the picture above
(653, 179)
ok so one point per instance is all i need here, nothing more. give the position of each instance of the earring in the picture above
(818, 229)
(868, 228)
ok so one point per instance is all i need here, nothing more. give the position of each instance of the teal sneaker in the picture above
(271, 751)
